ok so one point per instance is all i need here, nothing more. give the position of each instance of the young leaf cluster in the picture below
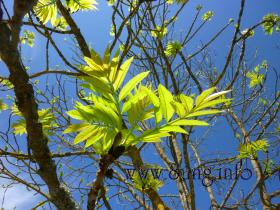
(46, 10)
(28, 37)
(207, 16)
(271, 21)
(46, 117)
(116, 108)
(159, 32)
(250, 150)
(144, 180)
(172, 48)
(255, 77)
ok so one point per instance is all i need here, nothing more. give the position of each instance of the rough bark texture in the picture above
(26, 103)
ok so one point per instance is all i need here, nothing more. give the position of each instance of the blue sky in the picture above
(96, 26)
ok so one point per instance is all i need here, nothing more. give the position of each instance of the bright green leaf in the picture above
(184, 122)
(86, 133)
(165, 102)
(75, 128)
(120, 75)
(132, 84)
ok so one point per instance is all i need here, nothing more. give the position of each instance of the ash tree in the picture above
(130, 126)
